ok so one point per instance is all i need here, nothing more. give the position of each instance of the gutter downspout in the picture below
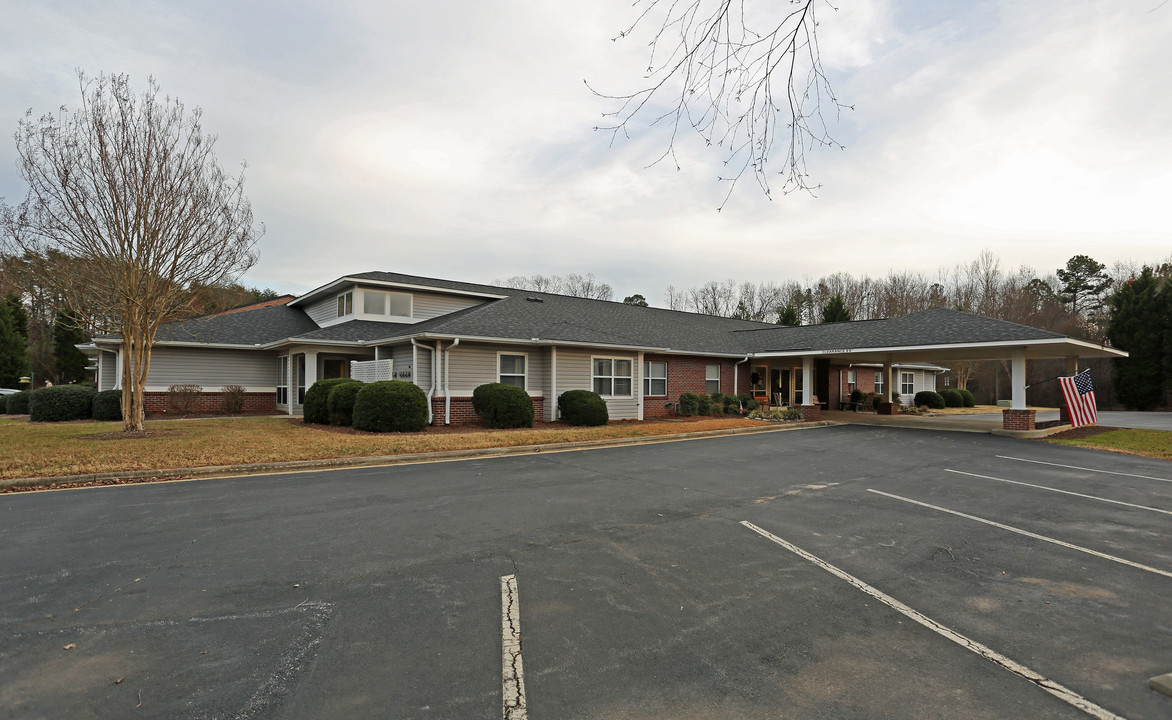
(414, 357)
(447, 384)
(736, 387)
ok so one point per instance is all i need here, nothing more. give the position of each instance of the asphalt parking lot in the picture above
(846, 572)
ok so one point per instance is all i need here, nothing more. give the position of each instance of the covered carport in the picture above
(938, 336)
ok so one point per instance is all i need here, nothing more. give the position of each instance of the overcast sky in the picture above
(454, 139)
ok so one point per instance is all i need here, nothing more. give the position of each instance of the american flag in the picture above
(1079, 394)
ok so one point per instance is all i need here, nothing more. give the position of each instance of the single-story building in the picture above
(448, 337)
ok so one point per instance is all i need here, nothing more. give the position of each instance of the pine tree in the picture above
(13, 347)
(1083, 284)
(1139, 325)
(836, 310)
(788, 315)
(742, 312)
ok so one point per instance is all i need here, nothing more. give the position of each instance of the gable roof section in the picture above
(247, 328)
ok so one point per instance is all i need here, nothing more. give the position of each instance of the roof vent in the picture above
(534, 299)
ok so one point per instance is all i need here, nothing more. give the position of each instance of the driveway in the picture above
(842, 572)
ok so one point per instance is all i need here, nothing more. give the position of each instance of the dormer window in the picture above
(346, 304)
(394, 304)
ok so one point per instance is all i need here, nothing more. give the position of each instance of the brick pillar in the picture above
(811, 413)
(1014, 419)
(1063, 414)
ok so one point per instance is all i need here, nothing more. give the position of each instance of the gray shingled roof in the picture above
(938, 326)
(525, 315)
(247, 327)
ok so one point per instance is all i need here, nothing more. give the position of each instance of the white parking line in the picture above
(1064, 492)
(1059, 691)
(1076, 467)
(513, 675)
(1027, 533)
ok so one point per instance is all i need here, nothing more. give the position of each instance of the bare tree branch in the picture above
(746, 90)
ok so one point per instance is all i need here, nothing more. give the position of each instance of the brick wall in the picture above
(212, 403)
(463, 414)
(685, 374)
(1018, 419)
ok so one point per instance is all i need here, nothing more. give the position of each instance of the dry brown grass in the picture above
(50, 449)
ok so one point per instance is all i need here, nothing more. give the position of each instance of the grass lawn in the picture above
(49, 449)
(1148, 443)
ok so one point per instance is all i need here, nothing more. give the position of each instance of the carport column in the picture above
(1071, 371)
(887, 381)
(810, 411)
(1018, 417)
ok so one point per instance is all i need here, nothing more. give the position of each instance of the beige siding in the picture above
(423, 369)
(323, 311)
(212, 369)
(401, 355)
(474, 364)
(428, 305)
(575, 372)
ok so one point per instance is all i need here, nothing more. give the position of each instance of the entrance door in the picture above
(774, 385)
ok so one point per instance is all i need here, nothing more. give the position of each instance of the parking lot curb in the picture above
(213, 471)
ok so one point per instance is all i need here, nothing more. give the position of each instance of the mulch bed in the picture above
(1082, 432)
(453, 429)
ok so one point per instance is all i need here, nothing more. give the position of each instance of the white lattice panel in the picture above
(370, 370)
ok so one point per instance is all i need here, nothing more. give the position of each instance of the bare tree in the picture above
(750, 85)
(574, 285)
(130, 186)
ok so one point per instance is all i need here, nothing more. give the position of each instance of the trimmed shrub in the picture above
(857, 395)
(17, 403)
(390, 406)
(182, 398)
(732, 404)
(969, 400)
(340, 402)
(688, 405)
(60, 403)
(232, 399)
(703, 404)
(930, 399)
(952, 398)
(500, 405)
(583, 407)
(107, 405)
(315, 409)
(748, 402)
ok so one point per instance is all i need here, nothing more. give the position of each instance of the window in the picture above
(879, 383)
(511, 369)
(655, 379)
(907, 384)
(374, 303)
(712, 379)
(377, 302)
(852, 381)
(947, 381)
(299, 367)
(283, 380)
(612, 376)
(346, 304)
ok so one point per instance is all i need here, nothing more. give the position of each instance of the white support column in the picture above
(807, 380)
(887, 381)
(1017, 382)
(1072, 366)
(310, 369)
(553, 383)
(639, 386)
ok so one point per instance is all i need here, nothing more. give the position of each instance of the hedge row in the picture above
(500, 405)
(691, 404)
